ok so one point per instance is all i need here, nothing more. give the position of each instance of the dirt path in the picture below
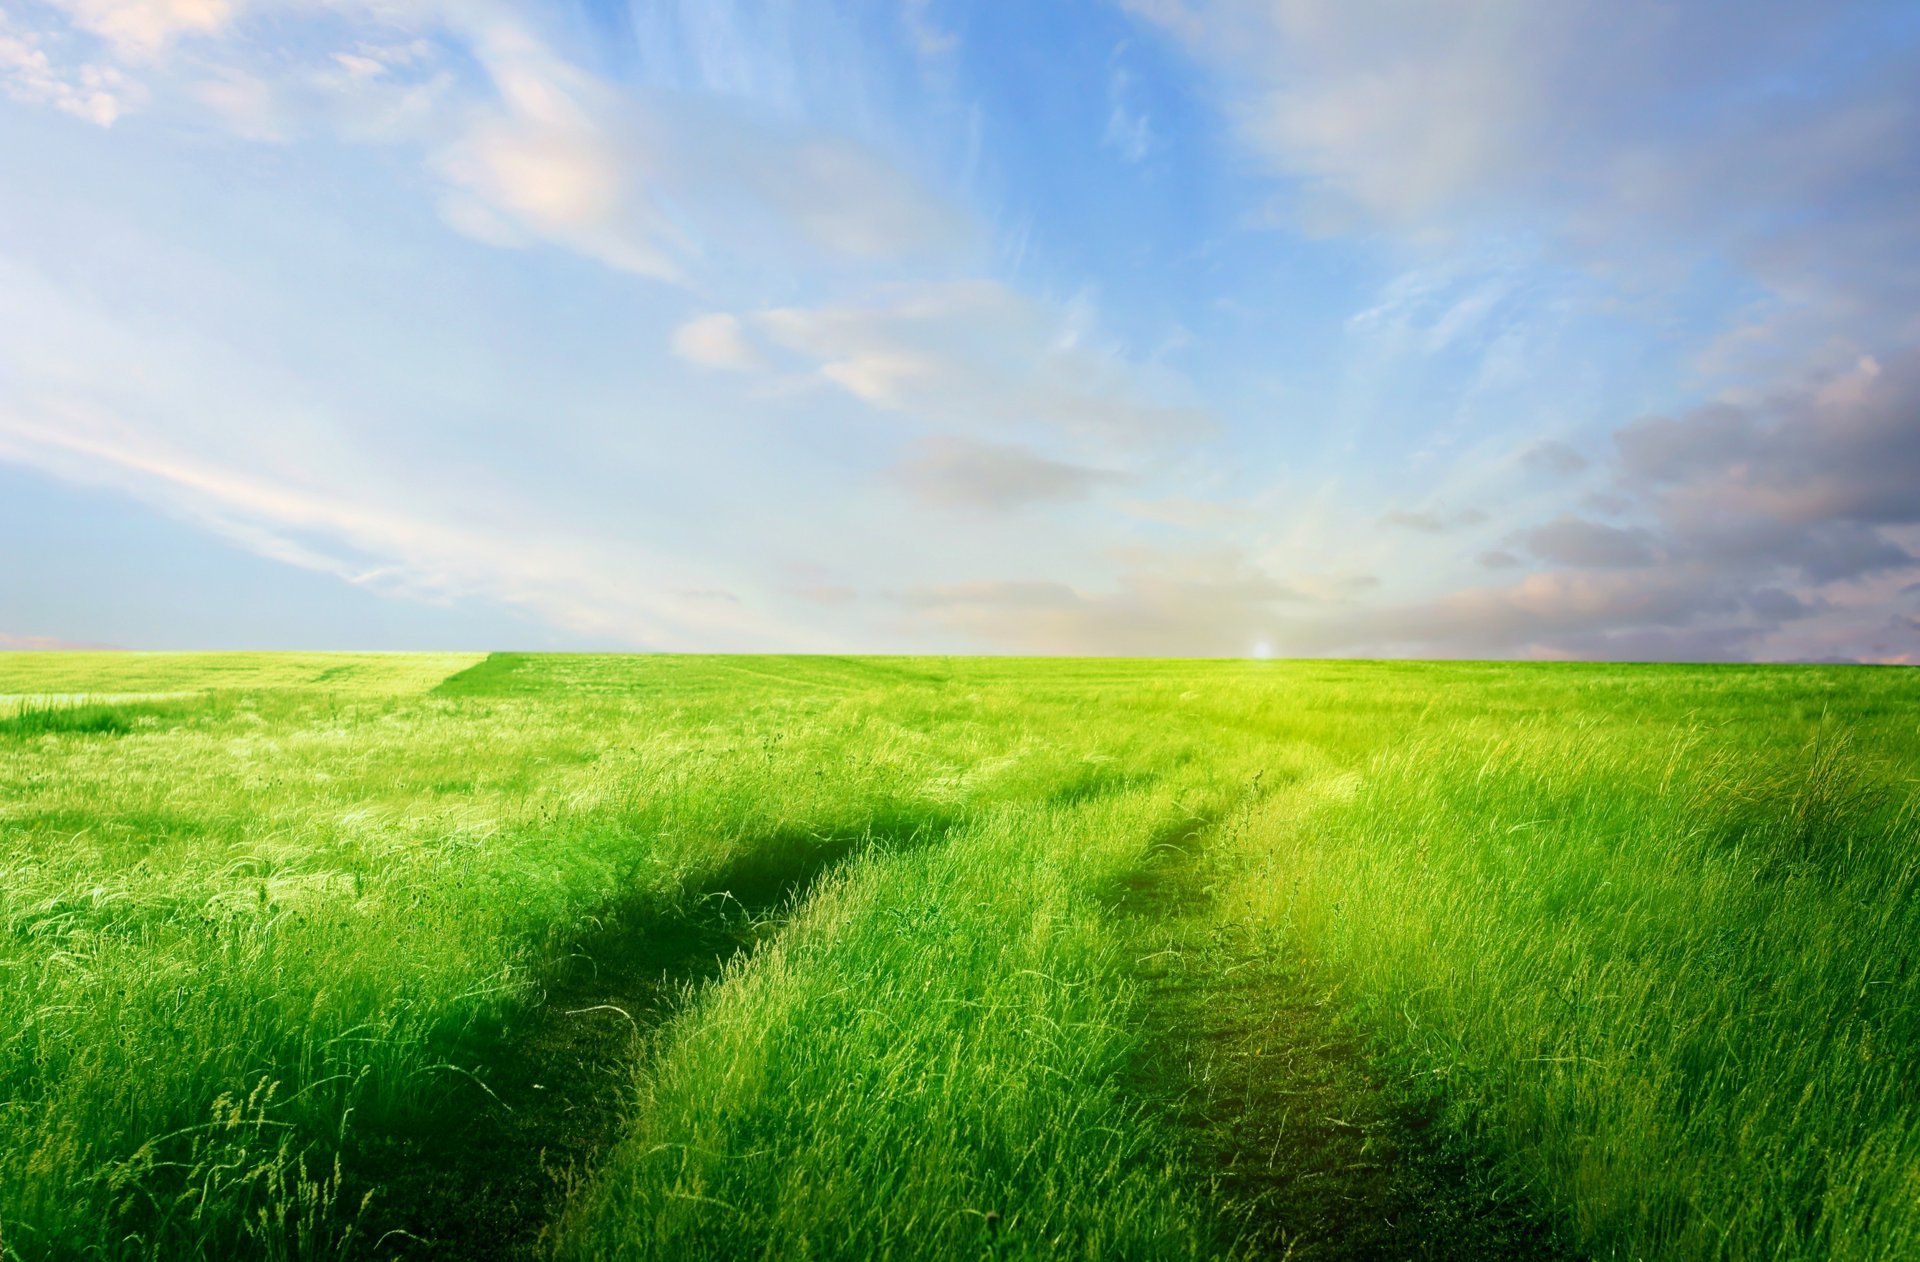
(1311, 1153)
(486, 1175)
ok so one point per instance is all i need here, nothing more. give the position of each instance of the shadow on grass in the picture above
(485, 1174)
(93, 718)
(1310, 1152)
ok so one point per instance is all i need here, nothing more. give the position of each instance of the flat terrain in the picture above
(371, 956)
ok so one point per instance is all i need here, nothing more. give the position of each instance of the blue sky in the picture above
(1505, 328)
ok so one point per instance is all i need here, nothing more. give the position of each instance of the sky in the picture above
(1485, 328)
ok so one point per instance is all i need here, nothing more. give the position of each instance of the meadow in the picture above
(368, 956)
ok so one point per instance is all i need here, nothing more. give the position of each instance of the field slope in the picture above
(358, 956)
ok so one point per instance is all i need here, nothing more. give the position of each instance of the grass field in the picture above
(348, 956)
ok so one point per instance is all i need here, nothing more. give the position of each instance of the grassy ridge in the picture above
(92, 674)
(1640, 935)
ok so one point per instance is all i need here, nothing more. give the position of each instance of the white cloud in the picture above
(716, 340)
(535, 148)
(1637, 137)
(142, 30)
(584, 584)
(929, 39)
(1129, 130)
(244, 101)
(100, 94)
(966, 473)
(980, 358)
(554, 156)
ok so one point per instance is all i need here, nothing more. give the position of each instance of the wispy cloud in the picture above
(717, 340)
(1129, 130)
(574, 581)
(99, 93)
(46, 643)
(1545, 330)
(983, 357)
(966, 473)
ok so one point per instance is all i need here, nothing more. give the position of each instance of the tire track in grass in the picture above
(925, 1066)
(485, 1175)
(1311, 1152)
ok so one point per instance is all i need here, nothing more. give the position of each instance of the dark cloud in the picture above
(1553, 457)
(1696, 644)
(1848, 450)
(1574, 541)
(1434, 521)
(1824, 552)
(1552, 609)
(1658, 450)
(967, 473)
(1747, 513)
(1808, 482)
(1776, 606)
(1773, 529)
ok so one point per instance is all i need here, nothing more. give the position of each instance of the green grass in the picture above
(1627, 950)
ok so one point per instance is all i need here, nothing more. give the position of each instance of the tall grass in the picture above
(1645, 933)
(299, 901)
(1667, 976)
(926, 1065)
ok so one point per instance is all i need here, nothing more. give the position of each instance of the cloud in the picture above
(1641, 142)
(1400, 109)
(1550, 456)
(1209, 600)
(1215, 610)
(141, 30)
(966, 473)
(358, 530)
(1545, 611)
(1129, 131)
(1569, 540)
(1433, 521)
(1188, 512)
(980, 357)
(245, 101)
(558, 155)
(1848, 450)
(47, 644)
(1219, 604)
(1810, 481)
(1776, 606)
(98, 93)
(1413, 114)
(528, 145)
(716, 341)
(833, 594)
(1651, 147)
(929, 39)
(1776, 527)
